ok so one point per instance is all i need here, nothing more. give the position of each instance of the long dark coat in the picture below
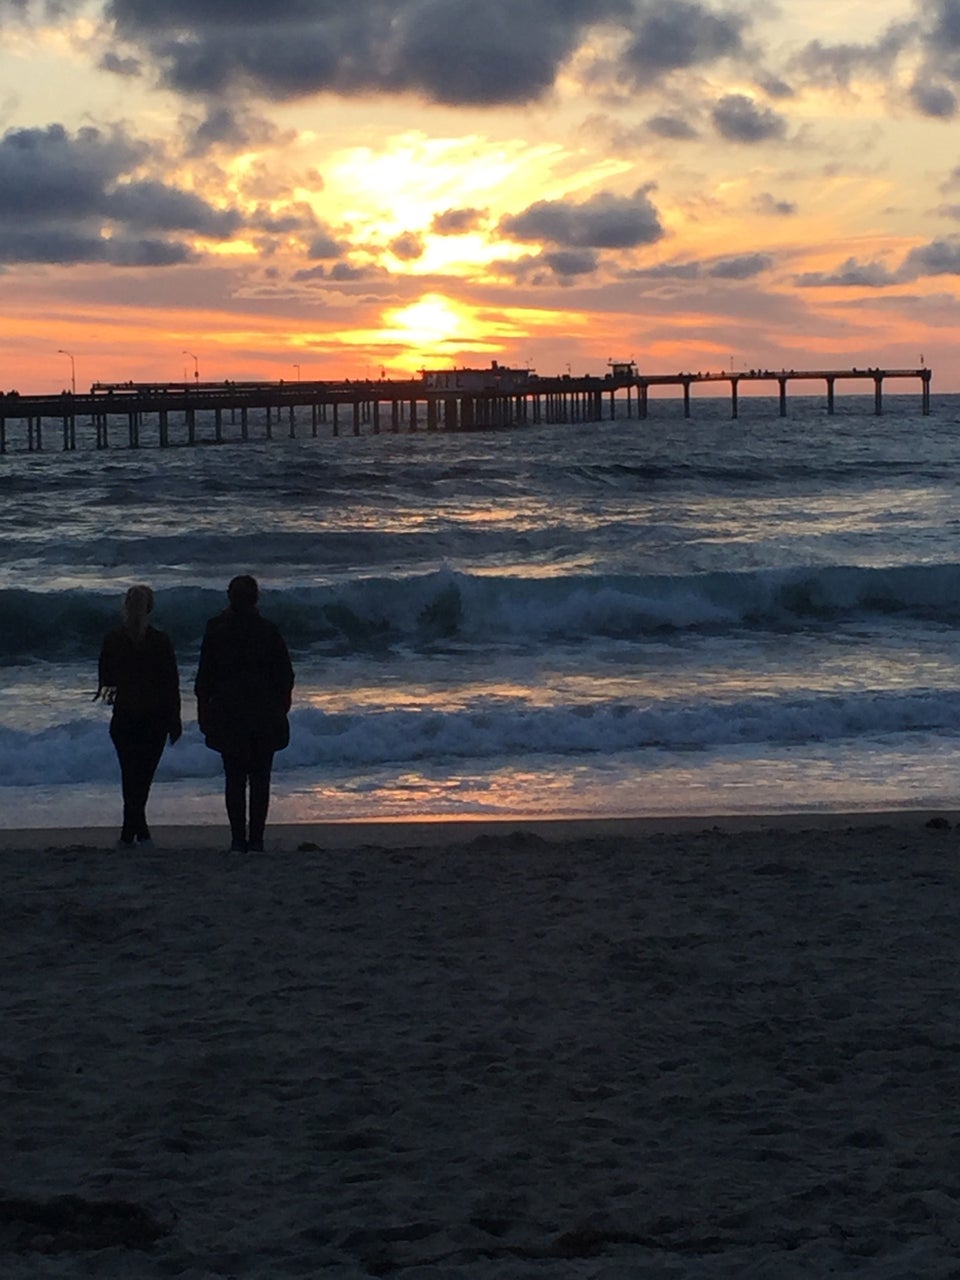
(244, 684)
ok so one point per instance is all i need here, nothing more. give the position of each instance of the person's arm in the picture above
(171, 690)
(201, 686)
(107, 673)
(284, 669)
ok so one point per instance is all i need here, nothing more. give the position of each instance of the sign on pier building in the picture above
(499, 377)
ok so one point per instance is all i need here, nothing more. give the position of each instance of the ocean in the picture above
(621, 618)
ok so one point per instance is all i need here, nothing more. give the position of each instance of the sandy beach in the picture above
(599, 1049)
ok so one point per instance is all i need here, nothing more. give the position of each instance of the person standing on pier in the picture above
(244, 688)
(139, 680)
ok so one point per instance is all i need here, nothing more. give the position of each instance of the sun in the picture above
(428, 322)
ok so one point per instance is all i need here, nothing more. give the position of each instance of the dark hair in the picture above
(137, 608)
(243, 592)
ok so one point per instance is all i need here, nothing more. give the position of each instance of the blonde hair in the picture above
(137, 607)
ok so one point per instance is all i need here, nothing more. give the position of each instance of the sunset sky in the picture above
(324, 188)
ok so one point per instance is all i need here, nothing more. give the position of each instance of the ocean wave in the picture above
(79, 751)
(485, 609)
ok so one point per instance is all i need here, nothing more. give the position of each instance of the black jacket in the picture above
(144, 675)
(244, 683)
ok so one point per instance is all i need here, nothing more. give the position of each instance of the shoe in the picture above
(144, 842)
(237, 847)
(126, 844)
(255, 847)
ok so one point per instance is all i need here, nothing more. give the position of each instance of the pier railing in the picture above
(214, 412)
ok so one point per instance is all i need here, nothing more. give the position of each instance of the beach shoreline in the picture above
(443, 830)
(696, 1048)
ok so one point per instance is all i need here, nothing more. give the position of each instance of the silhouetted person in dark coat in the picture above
(139, 679)
(244, 687)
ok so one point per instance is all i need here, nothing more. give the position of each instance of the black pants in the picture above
(249, 766)
(139, 740)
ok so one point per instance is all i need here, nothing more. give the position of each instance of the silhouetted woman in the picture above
(244, 687)
(139, 679)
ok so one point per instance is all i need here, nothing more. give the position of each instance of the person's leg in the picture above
(132, 808)
(235, 795)
(148, 757)
(125, 740)
(261, 765)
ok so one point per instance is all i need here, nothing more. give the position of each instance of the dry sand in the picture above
(610, 1050)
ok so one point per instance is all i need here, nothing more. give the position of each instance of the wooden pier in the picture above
(187, 413)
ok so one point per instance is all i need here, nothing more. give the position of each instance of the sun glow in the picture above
(401, 187)
(429, 322)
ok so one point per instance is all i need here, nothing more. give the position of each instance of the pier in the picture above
(185, 413)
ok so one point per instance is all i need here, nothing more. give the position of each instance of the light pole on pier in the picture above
(196, 365)
(73, 368)
(297, 367)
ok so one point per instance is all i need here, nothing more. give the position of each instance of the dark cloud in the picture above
(570, 262)
(47, 174)
(684, 33)
(839, 64)
(121, 66)
(934, 35)
(666, 271)
(148, 253)
(339, 273)
(933, 91)
(457, 222)
(63, 246)
(939, 258)
(448, 51)
(671, 127)
(863, 275)
(159, 207)
(295, 220)
(309, 273)
(552, 268)
(774, 87)
(739, 119)
(603, 222)
(324, 245)
(942, 29)
(742, 266)
(58, 191)
(770, 206)
(407, 247)
(224, 125)
(934, 100)
(346, 273)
